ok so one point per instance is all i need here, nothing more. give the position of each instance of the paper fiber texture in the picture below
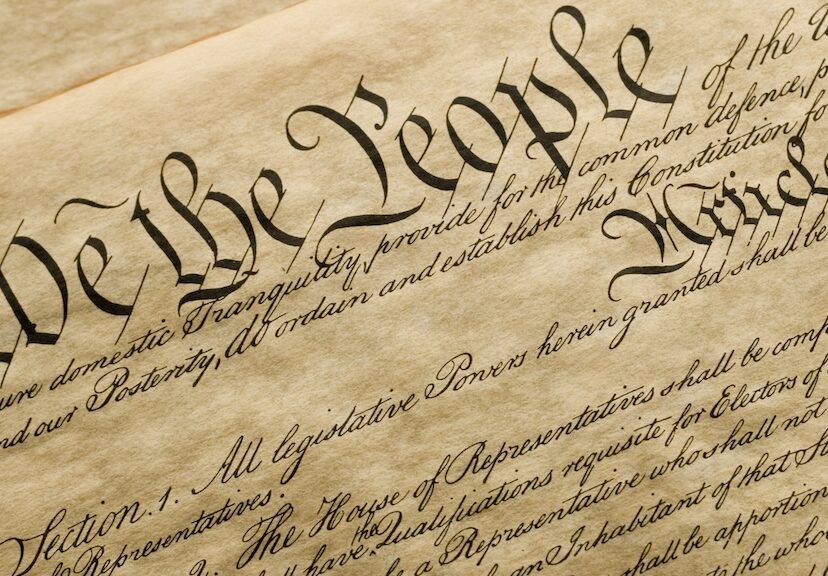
(407, 288)
(51, 46)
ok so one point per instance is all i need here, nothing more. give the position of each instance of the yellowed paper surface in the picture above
(53, 46)
(420, 288)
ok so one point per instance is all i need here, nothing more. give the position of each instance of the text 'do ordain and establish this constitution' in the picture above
(435, 288)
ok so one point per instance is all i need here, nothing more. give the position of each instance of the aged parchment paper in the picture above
(374, 287)
(56, 45)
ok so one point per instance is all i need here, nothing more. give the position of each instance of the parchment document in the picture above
(374, 287)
